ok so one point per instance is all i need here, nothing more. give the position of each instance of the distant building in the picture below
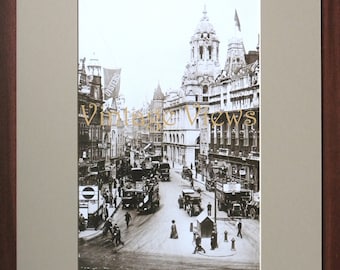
(101, 134)
(147, 126)
(90, 132)
(156, 122)
(89, 92)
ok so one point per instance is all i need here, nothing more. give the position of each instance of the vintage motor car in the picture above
(130, 198)
(236, 210)
(193, 206)
(190, 201)
(186, 173)
(164, 168)
(183, 197)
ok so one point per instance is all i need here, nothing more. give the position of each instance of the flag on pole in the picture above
(237, 21)
(111, 83)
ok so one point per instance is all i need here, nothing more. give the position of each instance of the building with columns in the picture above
(231, 138)
(182, 107)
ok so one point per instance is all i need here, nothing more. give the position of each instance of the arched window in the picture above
(205, 89)
(201, 52)
(210, 51)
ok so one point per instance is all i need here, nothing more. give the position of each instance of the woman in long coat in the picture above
(173, 234)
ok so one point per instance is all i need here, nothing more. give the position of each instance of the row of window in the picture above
(174, 138)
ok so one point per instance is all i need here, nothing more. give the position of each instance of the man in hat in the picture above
(239, 227)
(198, 246)
(209, 209)
(127, 218)
(107, 226)
(213, 240)
(118, 237)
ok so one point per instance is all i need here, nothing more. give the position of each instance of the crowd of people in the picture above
(115, 230)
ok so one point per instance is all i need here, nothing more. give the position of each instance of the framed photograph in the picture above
(290, 151)
(169, 134)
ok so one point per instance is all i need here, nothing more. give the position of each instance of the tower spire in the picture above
(205, 12)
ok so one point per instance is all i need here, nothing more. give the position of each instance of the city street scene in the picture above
(169, 134)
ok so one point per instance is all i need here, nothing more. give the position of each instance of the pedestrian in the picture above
(213, 240)
(120, 191)
(239, 227)
(127, 219)
(192, 182)
(110, 198)
(106, 197)
(180, 201)
(115, 201)
(96, 220)
(117, 236)
(114, 233)
(198, 246)
(81, 222)
(107, 227)
(105, 212)
(173, 234)
(209, 209)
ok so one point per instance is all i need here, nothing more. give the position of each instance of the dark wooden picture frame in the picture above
(8, 134)
(330, 134)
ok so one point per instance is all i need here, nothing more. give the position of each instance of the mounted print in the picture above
(169, 134)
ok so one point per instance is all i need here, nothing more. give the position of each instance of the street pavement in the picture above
(244, 250)
(91, 233)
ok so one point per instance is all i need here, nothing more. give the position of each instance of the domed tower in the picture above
(204, 64)
(204, 43)
(236, 52)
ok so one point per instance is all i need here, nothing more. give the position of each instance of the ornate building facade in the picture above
(183, 107)
(213, 119)
(99, 129)
(230, 139)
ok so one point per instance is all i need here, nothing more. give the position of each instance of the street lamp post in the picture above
(215, 170)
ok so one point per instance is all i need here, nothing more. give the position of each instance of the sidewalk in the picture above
(91, 233)
(223, 224)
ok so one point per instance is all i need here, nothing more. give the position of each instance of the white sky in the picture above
(149, 39)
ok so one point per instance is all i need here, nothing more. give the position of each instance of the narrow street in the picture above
(147, 239)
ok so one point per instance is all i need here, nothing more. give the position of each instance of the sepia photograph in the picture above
(146, 151)
(169, 134)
